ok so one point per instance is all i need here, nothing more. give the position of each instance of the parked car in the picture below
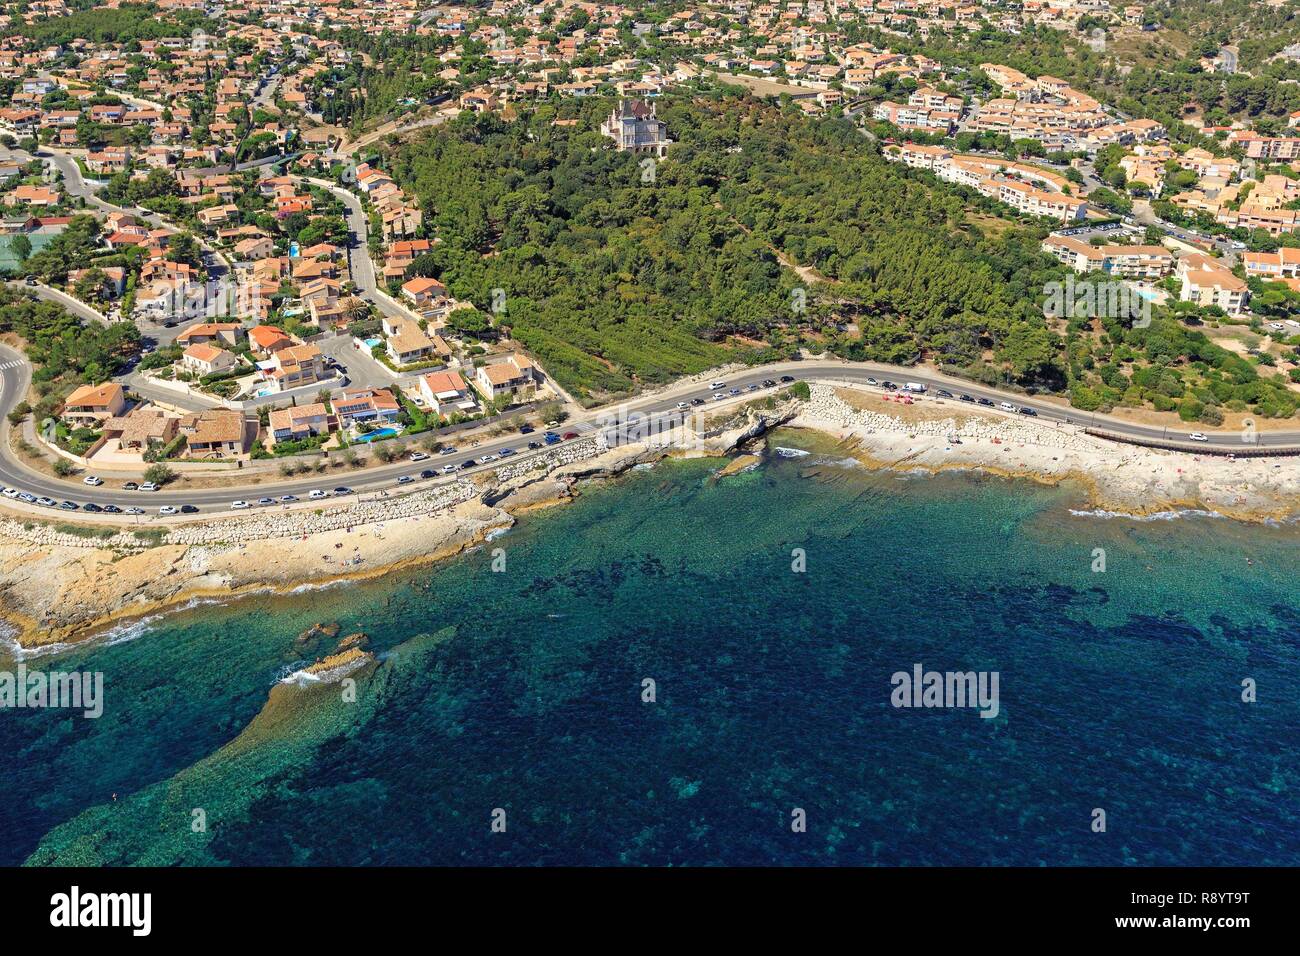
(418, 456)
(91, 507)
(342, 490)
(487, 458)
(787, 379)
(69, 505)
(697, 401)
(149, 486)
(238, 505)
(526, 429)
(288, 499)
(316, 493)
(1025, 410)
(447, 450)
(46, 501)
(405, 479)
(430, 473)
(266, 501)
(1197, 436)
(570, 435)
(470, 463)
(448, 469)
(189, 509)
(112, 510)
(10, 492)
(505, 452)
(93, 481)
(166, 510)
(130, 486)
(133, 510)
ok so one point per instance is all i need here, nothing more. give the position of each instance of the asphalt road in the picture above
(660, 410)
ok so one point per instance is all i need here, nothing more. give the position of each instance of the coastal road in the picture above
(659, 410)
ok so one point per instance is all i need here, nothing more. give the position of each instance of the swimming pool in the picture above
(379, 433)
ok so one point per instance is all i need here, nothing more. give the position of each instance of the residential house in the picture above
(90, 404)
(300, 422)
(515, 377)
(216, 433)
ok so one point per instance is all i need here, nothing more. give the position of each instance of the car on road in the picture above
(148, 486)
(448, 469)
(46, 501)
(787, 379)
(714, 386)
(697, 401)
(718, 396)
(168, 510)
(986, 402)
(418, 456)
(447, 450)
(465, 465)
(487, 458)
(405, 479)
(112, 510)
(133, 510)
(1026, 410)
(733, 391)
(24, 496)
(943, 393)
(91, 507)
(266, 501)
(1007, 407)
(238, 505)
(288, 499)
(68, 505)
(189, 509)
(93, 481)
(526, 429)
(430, 473)
(1197, 436)
(130, 486)
(551, 438)
(535, 445)
(769, 383)
(682, 406)
(570, 435)
(317, 493)
(11, 492)
(505, 452)
(342, 490)
(872, 381)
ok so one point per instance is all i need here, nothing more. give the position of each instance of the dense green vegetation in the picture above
(616, 274)
(100, 24)
(64, 352)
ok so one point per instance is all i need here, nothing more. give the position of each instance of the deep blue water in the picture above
(522, 691)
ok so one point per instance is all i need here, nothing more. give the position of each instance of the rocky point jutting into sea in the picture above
(663, 671)
(60, 586)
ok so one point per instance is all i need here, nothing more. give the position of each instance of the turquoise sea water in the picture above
(521, 691)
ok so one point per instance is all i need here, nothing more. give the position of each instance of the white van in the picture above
(1007, 406)
(914, 387)
(714, 386)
